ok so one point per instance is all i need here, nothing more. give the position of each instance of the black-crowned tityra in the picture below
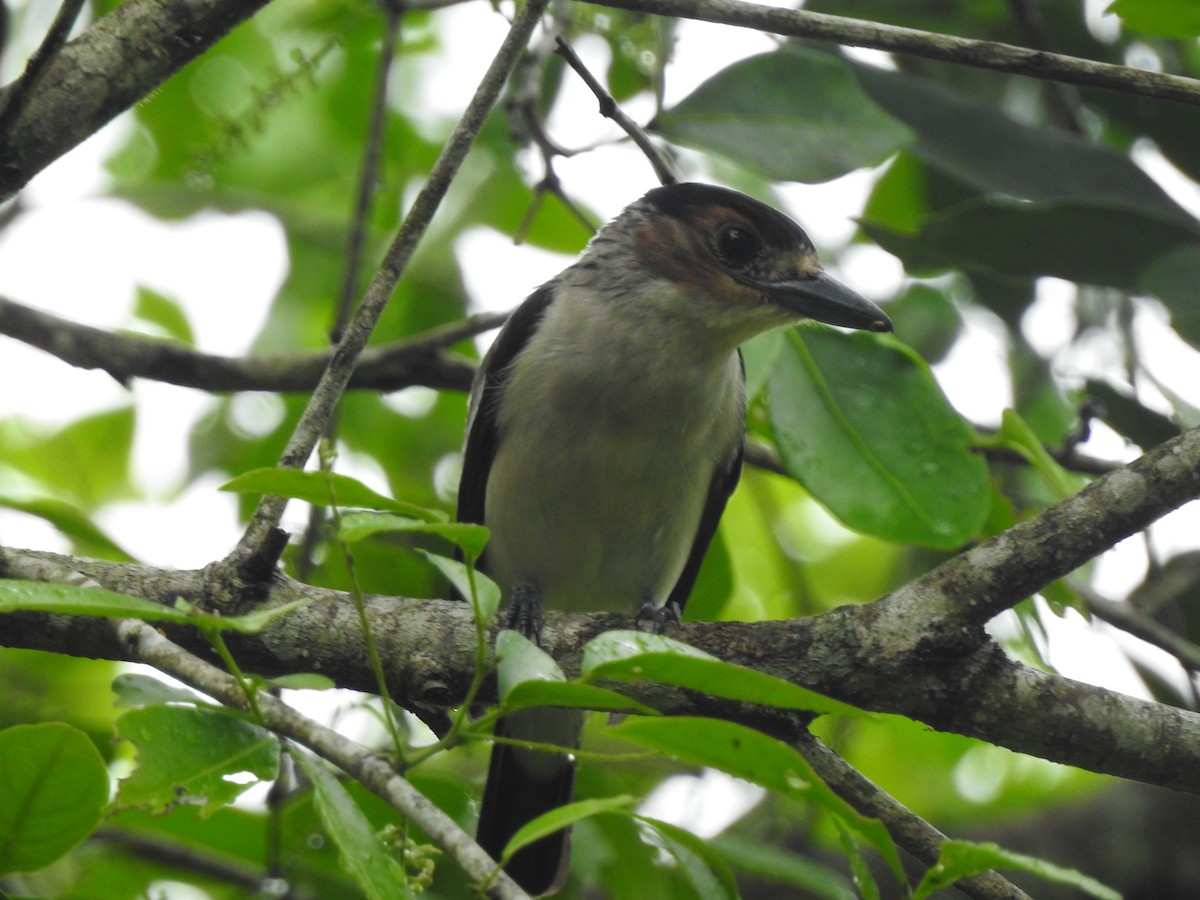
(605, 435)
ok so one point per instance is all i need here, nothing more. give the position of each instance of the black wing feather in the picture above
(482, 438)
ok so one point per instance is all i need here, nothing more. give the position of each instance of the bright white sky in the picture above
(224, 269)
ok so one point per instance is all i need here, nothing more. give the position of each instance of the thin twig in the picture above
(907, 829)
(610, 110)
(1129, 619)
(251, 554)
(417, 360)
(356, 760)
(930, 45)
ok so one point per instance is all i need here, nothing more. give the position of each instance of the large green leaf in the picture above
(1168, 18)
(982, 147)
(53, 787)
(863, 425)
(793, 115)
(197, 752)
(1080, 242)
(363, 854)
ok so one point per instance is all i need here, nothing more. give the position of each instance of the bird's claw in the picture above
(524, 612)
(658, 617)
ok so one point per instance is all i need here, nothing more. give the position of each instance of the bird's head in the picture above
(740, 264)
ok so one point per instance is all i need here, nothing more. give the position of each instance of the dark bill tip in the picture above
(822, 299)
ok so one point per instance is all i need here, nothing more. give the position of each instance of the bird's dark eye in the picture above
(737, 245)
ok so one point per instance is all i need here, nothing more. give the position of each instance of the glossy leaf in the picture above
(1166, 18)
(356, 526)
(790, 869)
(53, 788)
(362, 853)
(709, 675)
(87, 538)
(471, 584)
(862, 424)
(959, 859)
(199, 753)
(994, 154)
(520, 659)
(757, 758)
(562, 817)
(794, 115)
(324, 489)
(706, 870)
(165, 314)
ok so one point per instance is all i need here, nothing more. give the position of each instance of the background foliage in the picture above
(1023, 220)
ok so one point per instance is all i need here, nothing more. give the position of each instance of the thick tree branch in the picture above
(420, 360)
(116, 62)
(927, 44)
(920, 652)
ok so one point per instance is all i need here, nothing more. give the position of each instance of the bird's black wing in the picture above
(724, 480)
(482, 436)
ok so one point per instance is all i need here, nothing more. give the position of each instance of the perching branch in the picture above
(926, 44)
(919, 652)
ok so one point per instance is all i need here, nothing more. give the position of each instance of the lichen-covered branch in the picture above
(920, 652)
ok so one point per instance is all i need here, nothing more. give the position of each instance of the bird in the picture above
(605, 433)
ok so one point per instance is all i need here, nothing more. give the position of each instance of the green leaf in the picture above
(134, 690)
(757, 758)
(707, 674)
(704, 868)
(981, 147)
(303, 681)
(862, 424)
(356, 526)
(53, 789)
(1166, 18)
(363, 854)
(1016, 435)
(86, 462)
(69, 600)
(619, 645)
(86, 538)
(572, 694)
(197, 753)
(960, 859)
(811, 878)
(1173, 277)
(324, 489)
(486, 597)
(1027, 240)
(792, 115)
(519, 659)
(165, 313)
(562, 817)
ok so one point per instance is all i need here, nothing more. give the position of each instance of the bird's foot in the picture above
(524, 612)
(658, 617)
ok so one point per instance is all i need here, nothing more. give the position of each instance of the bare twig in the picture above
(911, 41)
(257, 553)
(418, 360)
(1128, 618)
(609, 109)
(907, 829)
(372, 770)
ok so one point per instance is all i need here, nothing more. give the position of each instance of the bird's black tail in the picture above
(521, 785)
